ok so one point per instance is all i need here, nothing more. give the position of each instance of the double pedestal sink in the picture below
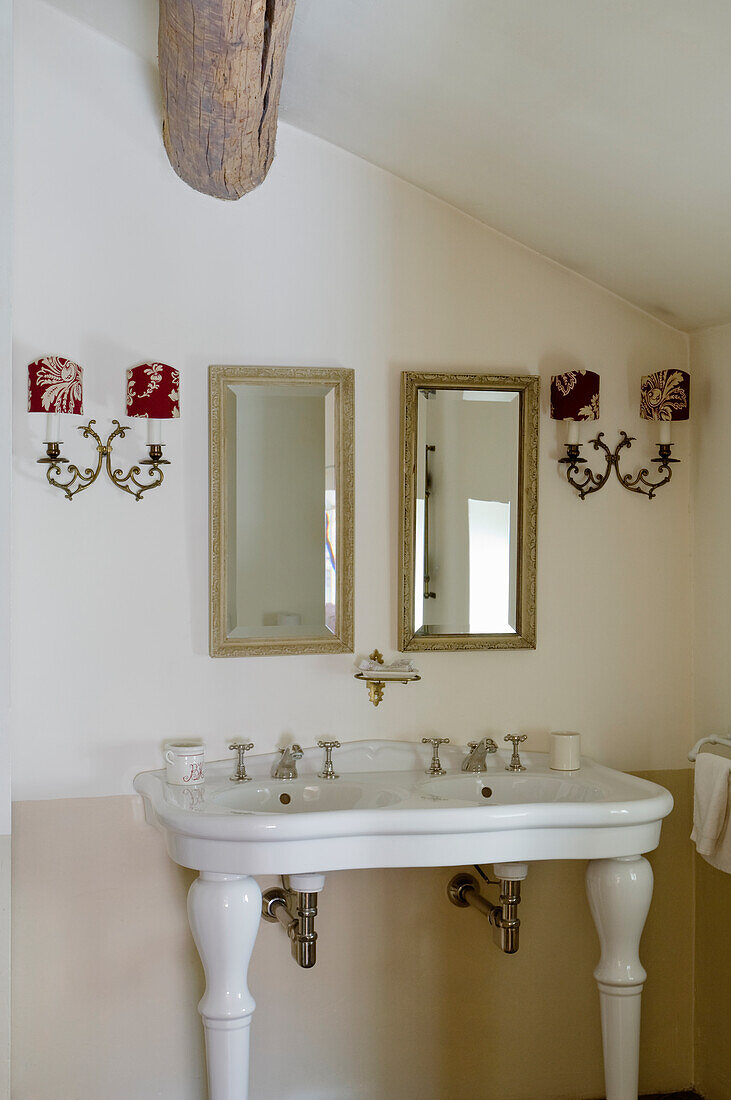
(385, 811)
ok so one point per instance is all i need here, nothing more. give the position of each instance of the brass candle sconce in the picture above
(55, 386)
(664, 397)
(82, 479)
(637, 483)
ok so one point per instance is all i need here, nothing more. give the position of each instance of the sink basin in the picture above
(502, 790)
(386, 811)
(305, 796)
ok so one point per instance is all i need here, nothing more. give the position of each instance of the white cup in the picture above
(564, 754)
(184, 763)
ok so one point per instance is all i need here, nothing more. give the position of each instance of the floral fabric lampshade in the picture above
(55, 385)
(575, 395)
(153, 391)
(665, 395)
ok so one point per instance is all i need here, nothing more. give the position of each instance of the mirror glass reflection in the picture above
(283, 501)
(469, 448)
(467, 506)
(281, 510)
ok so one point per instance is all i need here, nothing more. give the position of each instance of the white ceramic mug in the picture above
(184, 762)
(564, 753)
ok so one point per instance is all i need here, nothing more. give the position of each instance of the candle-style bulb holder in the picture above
(664, 453)
(53, 454)
(155, 458)
(82, 479)
(589, 482)
(573, 455)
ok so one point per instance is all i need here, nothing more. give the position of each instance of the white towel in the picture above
(711, 804)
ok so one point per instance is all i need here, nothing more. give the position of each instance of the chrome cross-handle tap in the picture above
(328, 772)
(435, 768)
(515, 764)
(239, 774)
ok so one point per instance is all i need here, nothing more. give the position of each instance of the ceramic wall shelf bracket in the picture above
(81, 479)
(585, 481)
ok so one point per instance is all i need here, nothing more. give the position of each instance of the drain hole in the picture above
(486, 792)
(285, 799)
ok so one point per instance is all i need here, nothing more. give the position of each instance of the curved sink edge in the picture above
(331, 825)
(265, 827)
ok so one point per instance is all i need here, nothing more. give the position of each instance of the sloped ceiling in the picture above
(597, 132)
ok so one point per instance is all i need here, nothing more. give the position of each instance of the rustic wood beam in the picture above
(221, 67)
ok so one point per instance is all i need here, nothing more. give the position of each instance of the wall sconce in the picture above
(664, 397)
(55, 387)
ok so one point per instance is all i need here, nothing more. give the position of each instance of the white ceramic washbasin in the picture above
(504, 789)
(306, 796)
(385, 811)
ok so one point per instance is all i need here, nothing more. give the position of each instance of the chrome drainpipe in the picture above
(464, 890)
(507, 920)
(304, 936)
(296, 911)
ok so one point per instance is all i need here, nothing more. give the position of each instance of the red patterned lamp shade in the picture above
(153, 391)
(575, 395)
(665, 395)
(55, 385)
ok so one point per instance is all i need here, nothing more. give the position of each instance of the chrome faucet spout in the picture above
(286, 766)
(476, 759)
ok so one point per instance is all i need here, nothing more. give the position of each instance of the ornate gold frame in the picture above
(529, 388)
(342, 380)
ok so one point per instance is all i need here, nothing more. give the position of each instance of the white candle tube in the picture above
(664, 431)
(154, 430)
(53, 428)
(564, 753)
(573, 432)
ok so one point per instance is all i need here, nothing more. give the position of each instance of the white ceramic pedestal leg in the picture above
(620, 891)
(224, 912)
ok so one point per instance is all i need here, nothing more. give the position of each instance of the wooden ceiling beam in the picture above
(221, 67)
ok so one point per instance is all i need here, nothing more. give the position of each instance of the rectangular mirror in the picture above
(281, 511)
(469, 447)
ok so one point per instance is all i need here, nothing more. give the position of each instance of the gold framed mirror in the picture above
(469, 508)
(281, 510)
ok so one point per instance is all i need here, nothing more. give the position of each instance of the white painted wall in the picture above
(6, 237)
(6, 458)
(332, 261)
(711, 401)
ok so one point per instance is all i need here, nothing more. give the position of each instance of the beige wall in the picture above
(409, 996)
(712, 981)
(5, 963)
(711, 363)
